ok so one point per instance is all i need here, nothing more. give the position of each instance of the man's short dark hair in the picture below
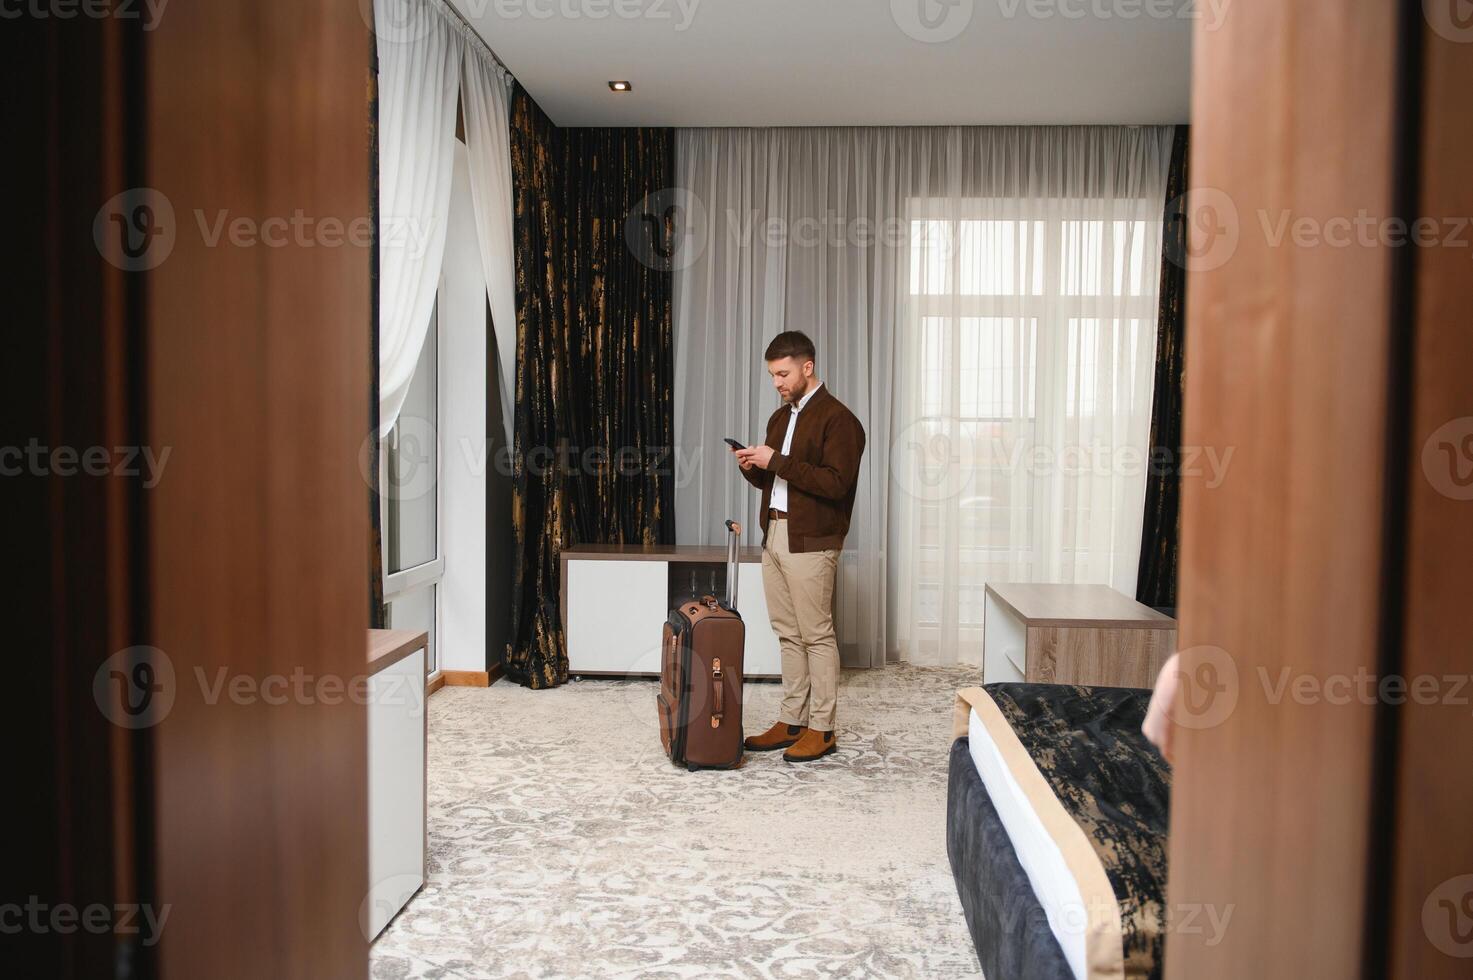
(790, 343)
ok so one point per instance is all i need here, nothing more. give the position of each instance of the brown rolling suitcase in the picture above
(700, 698)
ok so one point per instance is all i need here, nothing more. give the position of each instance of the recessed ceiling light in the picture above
(620, 87)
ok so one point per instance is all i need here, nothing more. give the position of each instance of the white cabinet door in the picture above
(616, 610)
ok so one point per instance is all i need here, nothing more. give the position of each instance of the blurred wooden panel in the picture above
(259, 346)
(1287, 367)
(70, 350)
(1432, 884)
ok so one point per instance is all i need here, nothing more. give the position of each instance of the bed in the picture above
(1057, 811)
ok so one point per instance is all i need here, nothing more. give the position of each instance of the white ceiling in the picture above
(845, 62)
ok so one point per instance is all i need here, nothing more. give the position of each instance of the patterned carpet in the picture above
(563, 844)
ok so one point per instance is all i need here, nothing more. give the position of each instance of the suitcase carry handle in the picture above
(718, 694)
(733, 552)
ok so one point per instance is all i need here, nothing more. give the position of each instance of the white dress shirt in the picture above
(779, 500)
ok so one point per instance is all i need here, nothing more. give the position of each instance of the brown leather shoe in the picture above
(779, 736)
(812, 745)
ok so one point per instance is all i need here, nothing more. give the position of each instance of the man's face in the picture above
(790, 377)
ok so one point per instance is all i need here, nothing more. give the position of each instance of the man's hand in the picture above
(1158, 726)
(758, 456)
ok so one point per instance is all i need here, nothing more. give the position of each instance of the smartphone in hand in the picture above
(734, 444)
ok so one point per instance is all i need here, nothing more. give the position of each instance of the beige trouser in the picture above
(800, 605)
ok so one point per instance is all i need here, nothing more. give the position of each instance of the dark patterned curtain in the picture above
(377, 615)
(594, 418)
(1161, 529)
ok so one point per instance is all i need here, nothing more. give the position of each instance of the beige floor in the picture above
(563, 844)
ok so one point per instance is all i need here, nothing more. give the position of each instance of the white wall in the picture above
(464, 466)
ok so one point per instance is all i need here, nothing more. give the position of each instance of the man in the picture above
(807, 471)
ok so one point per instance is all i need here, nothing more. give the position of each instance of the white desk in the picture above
(396, 774)
(616, 598)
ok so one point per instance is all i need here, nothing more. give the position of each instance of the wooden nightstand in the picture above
(1072, 634)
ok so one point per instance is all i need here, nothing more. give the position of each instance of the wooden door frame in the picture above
(1329, 551)
(246, 821)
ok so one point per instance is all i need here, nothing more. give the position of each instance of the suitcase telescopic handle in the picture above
(733, 549)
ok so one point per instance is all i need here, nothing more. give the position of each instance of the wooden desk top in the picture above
(1099, 606)
(657, 552)
(388, 647)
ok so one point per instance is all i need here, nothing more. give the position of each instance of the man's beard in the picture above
(796, 395)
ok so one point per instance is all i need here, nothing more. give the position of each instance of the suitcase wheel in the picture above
(691, 767)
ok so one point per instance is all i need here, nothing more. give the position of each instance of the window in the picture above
(410, 460)
(1031, 342)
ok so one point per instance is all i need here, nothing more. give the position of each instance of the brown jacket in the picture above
(822, 471)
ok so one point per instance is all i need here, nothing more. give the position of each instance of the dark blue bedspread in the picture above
(1008, 926)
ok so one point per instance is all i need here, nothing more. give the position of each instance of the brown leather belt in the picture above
(773, 514)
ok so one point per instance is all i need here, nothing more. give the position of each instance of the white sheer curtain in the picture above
(783, 222)
(1026, 370)
(486, 103)
(983, 299)
(419, 71)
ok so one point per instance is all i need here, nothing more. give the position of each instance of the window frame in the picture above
(429, 574)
